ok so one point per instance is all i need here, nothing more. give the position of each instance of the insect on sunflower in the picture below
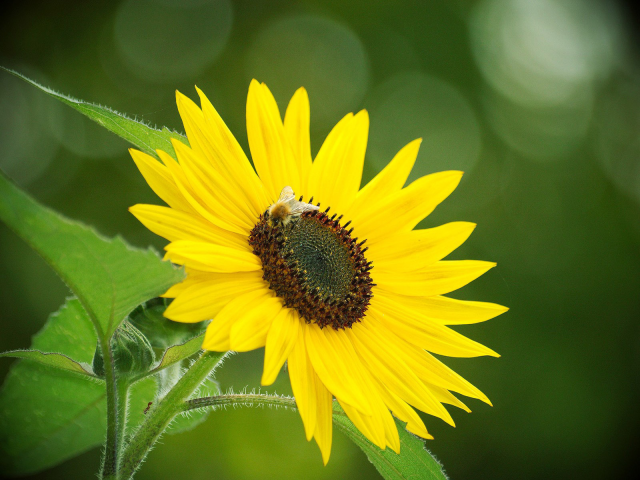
(333, 279)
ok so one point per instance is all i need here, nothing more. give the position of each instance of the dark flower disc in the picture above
(314, 266)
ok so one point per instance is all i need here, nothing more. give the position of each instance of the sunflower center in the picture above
(320, 256)
(314, 265)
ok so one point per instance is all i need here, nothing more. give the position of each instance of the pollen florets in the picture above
(315, 266)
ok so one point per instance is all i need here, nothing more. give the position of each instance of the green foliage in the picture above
(108, 276)
(46, 414)
(49, 414)
(177, 353)
(146, 138)
(413, 462)
(159, 330)
(51, 359)
(132, 352)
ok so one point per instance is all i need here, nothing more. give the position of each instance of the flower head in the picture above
(294, 257)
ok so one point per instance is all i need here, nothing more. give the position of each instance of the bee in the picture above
(287, 208)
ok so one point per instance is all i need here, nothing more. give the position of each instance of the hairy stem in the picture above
(161, 415)
(249, 399)
(123, 385)
(114, 427)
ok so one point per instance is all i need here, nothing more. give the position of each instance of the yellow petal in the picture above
(335, 365)
(365, 424)
(426, 366)
(337, 170)
(160, 180)
(296, 126)
(418, 249)
(198, 204)
(391, 436)
(380, 428)
(250, 331)
(403, 210)
(404, 412)
(229, 159)
(193, 277)
(174, 225)
(209, 257)
(302, 377)
(327, 149)
(445, 310)
(381, 357)
(323, 432)
(203, 296)
(428, 335)
(380, 423)
(447, 397)
(281, 339)
(213, 190)
(204, 176)
(270, 149)
(216, 338)
(203, 162)
(334, 359)
(437, 279)
(174, 169)
(390, 180)
(433, 371)
(194, 124)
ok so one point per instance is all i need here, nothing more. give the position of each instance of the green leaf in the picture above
(46, 414)
(178, 341)
(146, 138)
(108, 276)
(51, 359)
(414, 461)
(163, 333)
(177, 353)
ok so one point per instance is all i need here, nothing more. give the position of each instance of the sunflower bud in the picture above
(132, 352)
(162, 333)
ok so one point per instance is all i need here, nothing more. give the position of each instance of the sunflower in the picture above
(333, 279)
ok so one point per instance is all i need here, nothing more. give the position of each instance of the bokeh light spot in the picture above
(541, 52)
(416, 105)
(541, 133)
(171, 40)
(617, 139)
(320, 54)
(26, 148)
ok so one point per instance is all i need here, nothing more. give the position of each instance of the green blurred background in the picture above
(538, 101)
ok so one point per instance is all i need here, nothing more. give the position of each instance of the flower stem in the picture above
(160, 416)
(123, 385)
(114, 418)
